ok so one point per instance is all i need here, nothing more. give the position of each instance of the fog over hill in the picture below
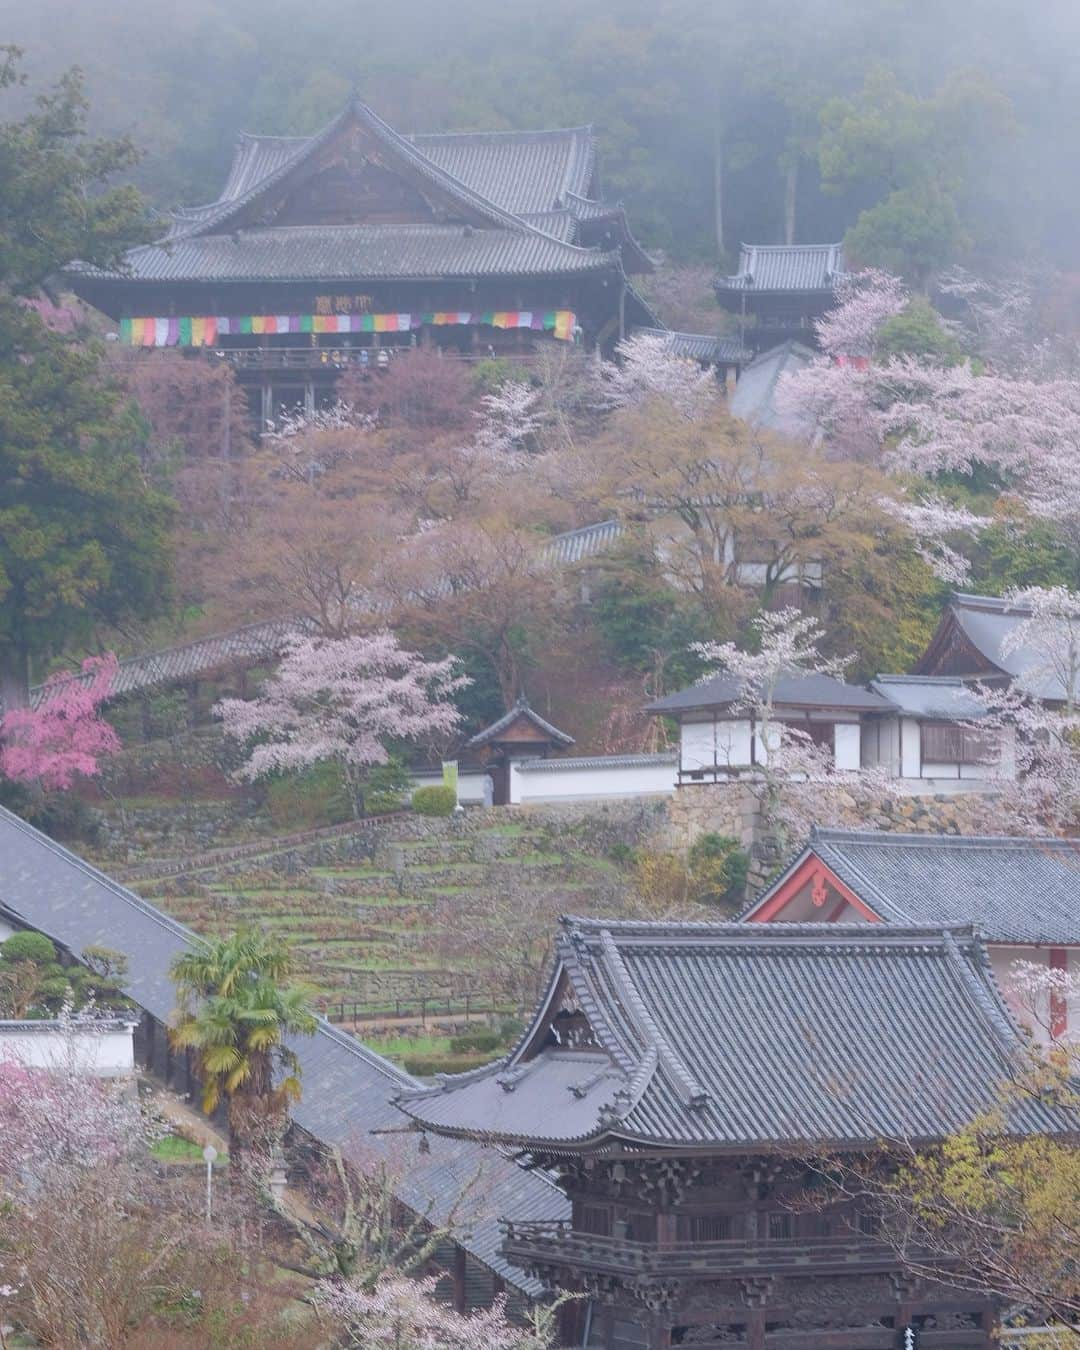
(697, 102)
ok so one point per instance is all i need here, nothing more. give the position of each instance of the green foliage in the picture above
(237, 1006)
(82, 536)
(918, 331)
(477, 1042)
(718, 869)
(304, 801)
(436, 800)
(387, 786)
(912, 232)
(28, 946)
(915, 157)
(648, 626)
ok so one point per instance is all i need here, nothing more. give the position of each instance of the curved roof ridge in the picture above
(585, 128)
(899, 837)
(398, 143)
(984, 994)
(688, 1088)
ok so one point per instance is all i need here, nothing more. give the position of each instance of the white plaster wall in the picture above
(576, 784)
(847, 746)
(108, 1054)
(910, 748)
(733, 743)
(6, 930)
(697, 745)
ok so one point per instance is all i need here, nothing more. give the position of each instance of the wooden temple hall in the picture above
(696, 1090)
(346, 247)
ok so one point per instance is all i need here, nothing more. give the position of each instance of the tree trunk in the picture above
(14, 678)
(718, 193)
(791, 194)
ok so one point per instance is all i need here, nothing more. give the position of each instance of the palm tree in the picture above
(236, 1006)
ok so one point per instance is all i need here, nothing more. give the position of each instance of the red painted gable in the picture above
(822, 880)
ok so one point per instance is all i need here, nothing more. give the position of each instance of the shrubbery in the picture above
(712, 873)
(436, 800)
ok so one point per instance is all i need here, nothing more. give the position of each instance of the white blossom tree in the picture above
(343, 700)
(400, 1313)
(647, 368)
(1048, 637)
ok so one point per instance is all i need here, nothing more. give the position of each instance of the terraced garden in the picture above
(413, 941)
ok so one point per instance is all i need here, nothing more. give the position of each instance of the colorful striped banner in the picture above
(204, 330)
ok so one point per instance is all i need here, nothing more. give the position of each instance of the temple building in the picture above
(694, 1087)
(1020, 895)
(347, 246)
(780, 290)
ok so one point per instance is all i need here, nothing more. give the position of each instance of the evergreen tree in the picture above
(83, 537)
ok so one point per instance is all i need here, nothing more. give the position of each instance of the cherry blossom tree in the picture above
(647, 368)
(865, 301)
(509, 419)
(933, 521)
(1048, 636)
(65, 736)
(400, 1313)
(342, 700)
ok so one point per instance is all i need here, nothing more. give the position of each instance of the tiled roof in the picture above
(643, 761)
(520, 709)
(786, 267)
(521, 171)
(794, 691)
(1011, 890)
(364, 252)
(347, 1089)
(720, 351)
(935, 696)
(576, 545)
(986, 621)
(750, 1037)
(754, 398)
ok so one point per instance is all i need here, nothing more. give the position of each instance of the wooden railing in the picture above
(339, 358)
(555, 1242)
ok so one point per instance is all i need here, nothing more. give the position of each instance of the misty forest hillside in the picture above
(762, 114)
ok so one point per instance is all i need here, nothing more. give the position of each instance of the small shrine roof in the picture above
(785, 268)
(520, 709)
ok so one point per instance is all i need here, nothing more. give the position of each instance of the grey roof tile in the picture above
(566, 765)
(934, 696)
(348, 1090)
(359, 252)
(521, 171)
(740, 1037)
(701, 346)
(786, 267)
(1012, 890)
(754, 398)
(794, 691)
(986, 621)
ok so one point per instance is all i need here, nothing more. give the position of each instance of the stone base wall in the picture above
(731, 809)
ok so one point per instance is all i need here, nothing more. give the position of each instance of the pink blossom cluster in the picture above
(65, 736)
(647, 368)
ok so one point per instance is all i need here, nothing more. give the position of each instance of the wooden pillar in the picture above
(267, 404)
(458, 1275)
(309, 398)
(755, 1329)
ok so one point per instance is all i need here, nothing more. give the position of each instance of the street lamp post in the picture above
(210, 1154)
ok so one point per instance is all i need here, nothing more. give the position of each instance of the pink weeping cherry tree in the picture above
(65, 737)
(343, 700)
